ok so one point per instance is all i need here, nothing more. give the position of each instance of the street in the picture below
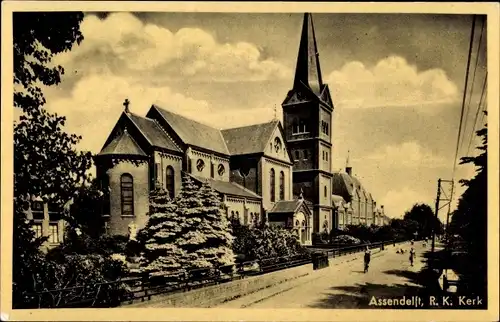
(345, 285)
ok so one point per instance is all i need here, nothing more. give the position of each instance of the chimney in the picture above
(348, 167)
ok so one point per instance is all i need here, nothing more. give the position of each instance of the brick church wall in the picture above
(118, 224)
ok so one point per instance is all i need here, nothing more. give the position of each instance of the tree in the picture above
(469, 220)
(425, 218)
(216, 228)
(192, 239)
(45, 162)
(162, 257)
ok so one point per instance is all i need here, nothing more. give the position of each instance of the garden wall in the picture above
(217, 294)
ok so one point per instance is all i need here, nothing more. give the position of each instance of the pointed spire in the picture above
(308, 70)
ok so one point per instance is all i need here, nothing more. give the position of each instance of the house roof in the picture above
(228, 188)
(123, 144)
(346, 186)
(194, 133)
(153, 132)
(337, 200)
(249, 139)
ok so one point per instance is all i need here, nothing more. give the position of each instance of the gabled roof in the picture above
(289, 206)
(249, 139)
(123, 144)
(347, 186)
(228, 188)
(153, 132)
(194, 133)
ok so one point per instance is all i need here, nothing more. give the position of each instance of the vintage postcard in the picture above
(249, 161)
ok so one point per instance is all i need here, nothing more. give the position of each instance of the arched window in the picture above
(295, 126)
(306, 155)
(272, 184)
(170, 182)
(302, 126)
(325, 190)
(127, 194)
(297, 155)
(282, 185)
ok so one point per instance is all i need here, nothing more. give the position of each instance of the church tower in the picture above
(307, 119)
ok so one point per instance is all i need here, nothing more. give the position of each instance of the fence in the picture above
(112, 294)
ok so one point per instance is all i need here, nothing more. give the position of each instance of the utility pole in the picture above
(449, 208)
(440, 192)
(438, 197)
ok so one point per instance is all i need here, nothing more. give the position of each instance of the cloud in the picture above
(407, 155)
(391, 82)
(123, 43)
(396, 202)
(95, 103)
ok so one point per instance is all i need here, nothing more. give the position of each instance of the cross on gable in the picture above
(126, 103)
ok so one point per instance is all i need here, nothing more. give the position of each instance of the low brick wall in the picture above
(217, 294)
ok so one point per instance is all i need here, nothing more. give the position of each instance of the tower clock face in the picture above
(277, 144)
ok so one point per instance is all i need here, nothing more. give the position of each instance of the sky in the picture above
(396, 81)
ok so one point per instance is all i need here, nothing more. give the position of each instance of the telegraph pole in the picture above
(438, 197)
(449, 208)
(440, 192)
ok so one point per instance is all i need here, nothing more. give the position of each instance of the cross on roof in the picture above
(126, 103)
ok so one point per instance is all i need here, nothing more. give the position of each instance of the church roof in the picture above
(195, 133)
(228, 188)
(249, 139)
(123, 144)
(153, 132)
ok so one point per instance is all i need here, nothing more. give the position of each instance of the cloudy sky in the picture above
(397, 84)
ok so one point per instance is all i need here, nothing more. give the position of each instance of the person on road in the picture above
(412, 256)
(367, 258)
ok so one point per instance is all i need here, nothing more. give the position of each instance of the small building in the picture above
(295, 215)
(46, 220)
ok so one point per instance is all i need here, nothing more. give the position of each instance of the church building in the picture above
(276, 172)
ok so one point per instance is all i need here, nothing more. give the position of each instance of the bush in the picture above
(267, 242)
(346, 240)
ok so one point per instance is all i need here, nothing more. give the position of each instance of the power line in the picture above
(477, 112)
(465, 94)
(472, 87)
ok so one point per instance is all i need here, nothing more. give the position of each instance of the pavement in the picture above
(344, 284)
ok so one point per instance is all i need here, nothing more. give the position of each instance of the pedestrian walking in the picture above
(412, 256)
(367, 258)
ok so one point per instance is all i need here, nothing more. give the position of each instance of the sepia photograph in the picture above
(289, 158)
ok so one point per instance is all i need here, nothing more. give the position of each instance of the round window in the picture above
(221, 170)
(200, 165)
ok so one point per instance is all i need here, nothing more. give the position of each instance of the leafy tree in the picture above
(162, 256)
(45, 163)
(425, 218)
(469, 220)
